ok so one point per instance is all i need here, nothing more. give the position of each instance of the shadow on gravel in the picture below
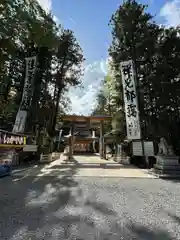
(145, 233)
(58, 207)
(174, 217)
(170, 179)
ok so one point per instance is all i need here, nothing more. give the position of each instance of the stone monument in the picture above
(164, 148)
(166, 161)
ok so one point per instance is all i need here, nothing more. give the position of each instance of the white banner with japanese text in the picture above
(20, 122)
(130, 100)
(28, 83)
(31, 63)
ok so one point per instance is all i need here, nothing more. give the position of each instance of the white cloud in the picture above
(83, 100)
(56, 19)
(46, 5)
(171, 13)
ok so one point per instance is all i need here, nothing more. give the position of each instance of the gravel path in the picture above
(84, 208)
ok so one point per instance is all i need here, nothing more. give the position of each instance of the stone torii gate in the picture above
(91, 122)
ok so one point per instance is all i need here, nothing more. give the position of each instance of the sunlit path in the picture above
(84, 166)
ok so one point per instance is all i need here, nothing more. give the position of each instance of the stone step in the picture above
(167, 167)
(122, 160)
(167, 162)
(169, 173)
(167, 170)
(164, 175)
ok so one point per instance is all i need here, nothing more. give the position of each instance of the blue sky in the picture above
(89, 20)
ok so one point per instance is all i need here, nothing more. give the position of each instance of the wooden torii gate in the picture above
(90, 120)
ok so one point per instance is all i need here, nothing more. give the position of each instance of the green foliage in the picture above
(67, 69)
(26, 27)
(69, 58)
(156, 52)
(110, 103)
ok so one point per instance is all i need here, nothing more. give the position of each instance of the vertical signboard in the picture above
(130, 100)
(21, 116)
(20, 122)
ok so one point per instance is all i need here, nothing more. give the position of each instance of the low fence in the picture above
(46, 158)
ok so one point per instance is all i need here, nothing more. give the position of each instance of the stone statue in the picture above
(164, 148)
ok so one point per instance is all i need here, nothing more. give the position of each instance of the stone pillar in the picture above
(93, 134)
(105, 149)
(101, 140)
(71, 142)
(94, 141)
(70, 148)
(73, 139)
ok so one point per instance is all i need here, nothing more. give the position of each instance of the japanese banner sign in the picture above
(20, 122)
(28, 83)
(31, 63)
(130, 100)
